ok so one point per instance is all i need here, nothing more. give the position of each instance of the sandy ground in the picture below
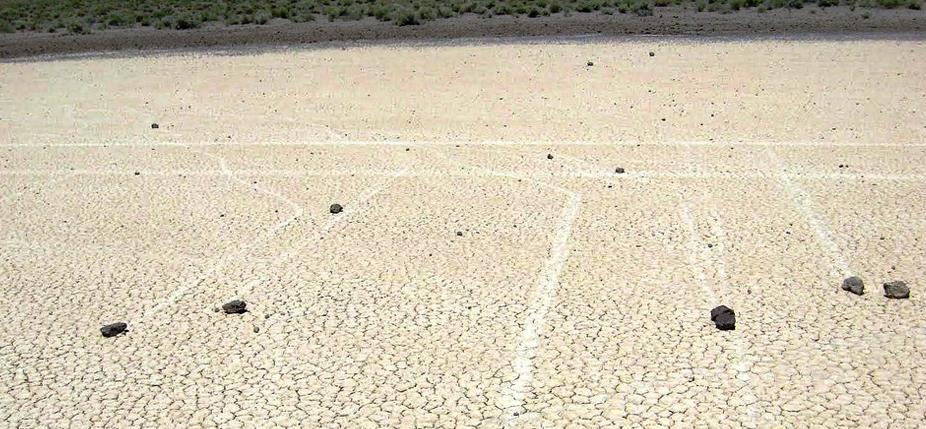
(471, 281)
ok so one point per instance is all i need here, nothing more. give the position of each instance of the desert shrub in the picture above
(262, 17)
(183, 21)
(382, 12)
(795, 4)
(6, 26)
(77, 26)
(555, 7)
(642, 9)
(406, 17)
(914, 4)
(426, 13)
(827, 3)
(445, 12)
(302, 11)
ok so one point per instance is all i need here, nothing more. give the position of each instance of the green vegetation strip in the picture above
(82, 16)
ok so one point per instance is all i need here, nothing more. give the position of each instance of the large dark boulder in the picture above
(235, 307)
(854, 284)
(114, 329)
(896, 290)
(724, 318)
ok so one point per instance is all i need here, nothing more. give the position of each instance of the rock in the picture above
(336, 208)
(114, 329)
(652, 54)
(896, 290)
(235, 307)
(724, 318)
(619, 170)
(256, 329)
(854, 284)
(459, 233)
(549, 156)
(589, 63)
(154, 126)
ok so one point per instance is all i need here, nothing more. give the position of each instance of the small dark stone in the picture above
(854, 284)
(896, 290)
(619, 170)
(336, 208)
(256, 329)
(138, 173)
(724, 318)
(589, 63)
(549, 156)
(652, 54)
(114, 329)
(154, 126)
(459, 233)
(235, 307)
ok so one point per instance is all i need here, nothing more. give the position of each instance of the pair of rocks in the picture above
(893, 290)
(724, 318)
(232, 307)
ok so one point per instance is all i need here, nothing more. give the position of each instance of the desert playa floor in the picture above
(491, 267)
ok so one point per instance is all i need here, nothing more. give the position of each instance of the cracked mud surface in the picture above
(574, 297)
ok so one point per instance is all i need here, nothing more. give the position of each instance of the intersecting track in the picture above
(513, 396)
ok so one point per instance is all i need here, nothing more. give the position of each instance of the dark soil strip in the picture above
(835, 21)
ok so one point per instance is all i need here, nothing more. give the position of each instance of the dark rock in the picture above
(896, 290)
(652, 54)
(459, 233)
(235, 307)
(256, 329)
(619, 170)
(724, 318)
(854, 285)
(549, 156)
(589, 63)
(138, 173)
(114, 329)
(154, 126)
(336, 208)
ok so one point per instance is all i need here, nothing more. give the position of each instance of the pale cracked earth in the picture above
(759, 174)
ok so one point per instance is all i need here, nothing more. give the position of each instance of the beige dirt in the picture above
(758, 174)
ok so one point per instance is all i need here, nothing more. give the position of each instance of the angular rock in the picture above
(724, 318)
(896, 290)
(235, 307)
(589, 63)
(336, 208)
(549, 156)
(854, 284)
(619, 170)
(114, 329)
(154, 126)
